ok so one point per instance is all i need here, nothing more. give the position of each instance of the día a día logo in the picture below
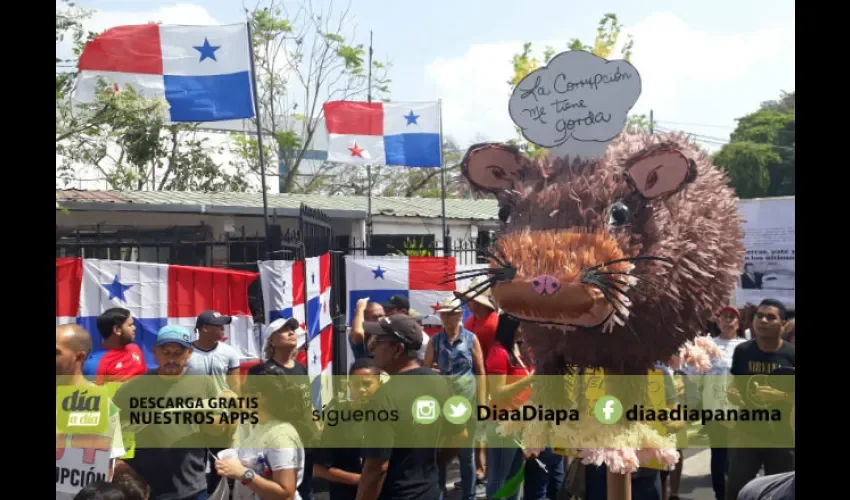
(82, 410)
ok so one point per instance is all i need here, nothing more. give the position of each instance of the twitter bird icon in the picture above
(457, 410)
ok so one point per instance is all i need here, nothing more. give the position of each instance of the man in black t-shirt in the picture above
(390, 470)
(752, 362)
(170, 457)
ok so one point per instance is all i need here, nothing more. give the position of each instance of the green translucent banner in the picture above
(428, 411)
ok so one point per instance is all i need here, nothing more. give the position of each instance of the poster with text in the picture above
(769, 240)
(77, 467)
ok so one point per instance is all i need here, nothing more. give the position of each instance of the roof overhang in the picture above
(180, 208)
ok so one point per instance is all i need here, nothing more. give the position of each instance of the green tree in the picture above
(608, 33)
(303, 60)
(760, 156)
(124, 136)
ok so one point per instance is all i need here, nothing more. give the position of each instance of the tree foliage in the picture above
(760, 156)
(608, 33)
(305, 57)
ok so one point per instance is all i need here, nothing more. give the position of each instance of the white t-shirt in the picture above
(718, 377)
(217, 362)
(117, 447)
(279, 445)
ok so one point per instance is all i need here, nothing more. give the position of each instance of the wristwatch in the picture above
(248, 476)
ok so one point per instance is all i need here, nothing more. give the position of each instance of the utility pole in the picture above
(651, 123)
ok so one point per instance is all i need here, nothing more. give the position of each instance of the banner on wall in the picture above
(156, 295)
(769, 240)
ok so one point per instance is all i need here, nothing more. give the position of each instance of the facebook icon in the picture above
(608, 409)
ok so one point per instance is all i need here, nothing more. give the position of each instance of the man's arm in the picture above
(480, 372)
(739, 383)
(372, 478)
(357, 333)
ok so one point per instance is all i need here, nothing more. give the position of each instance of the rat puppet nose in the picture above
(545, 285)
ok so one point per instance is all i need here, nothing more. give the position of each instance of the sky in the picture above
(702, 64)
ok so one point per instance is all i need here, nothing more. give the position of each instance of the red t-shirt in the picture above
(115, 365)
(499, 363)
(484, 329)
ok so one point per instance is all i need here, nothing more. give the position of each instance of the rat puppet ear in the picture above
(660, 170)
(492, 167)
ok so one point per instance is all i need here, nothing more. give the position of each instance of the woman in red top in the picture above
(509, 385)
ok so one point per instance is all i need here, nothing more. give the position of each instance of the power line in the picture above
(722, 142)
(695, 124)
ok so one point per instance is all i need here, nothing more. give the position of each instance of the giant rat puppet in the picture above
(614, 263)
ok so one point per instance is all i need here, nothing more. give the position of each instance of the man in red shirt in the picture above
(484, 319)
(118, 359)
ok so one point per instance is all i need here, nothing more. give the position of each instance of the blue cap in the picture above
(174, 334)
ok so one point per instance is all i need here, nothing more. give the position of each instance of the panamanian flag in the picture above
(156, 295)
(420, 279)
(302, 290)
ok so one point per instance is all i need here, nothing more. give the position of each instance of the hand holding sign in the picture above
(575, 104)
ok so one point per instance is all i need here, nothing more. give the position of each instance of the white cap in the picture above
(279, 323)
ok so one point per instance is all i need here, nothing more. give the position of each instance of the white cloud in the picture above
(688, 76)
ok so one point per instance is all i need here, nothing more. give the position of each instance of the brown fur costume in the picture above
(612, 263)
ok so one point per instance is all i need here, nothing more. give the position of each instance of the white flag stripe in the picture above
(425, 118)
(144, 288)
(87, 83)
(229, 47)
(369, 147)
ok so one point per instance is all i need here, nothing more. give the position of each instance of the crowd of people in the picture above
(482, 358)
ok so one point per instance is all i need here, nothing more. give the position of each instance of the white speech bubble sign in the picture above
(576, 104)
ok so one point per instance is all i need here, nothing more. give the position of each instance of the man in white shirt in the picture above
(73, 345)
(210, 356)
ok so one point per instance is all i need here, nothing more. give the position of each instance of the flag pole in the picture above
(447, 247)
(262, 159)
(368, 166)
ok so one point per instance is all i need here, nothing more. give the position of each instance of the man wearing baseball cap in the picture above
(210, 355)
(172, 473)
(396, 304)
(391, 472)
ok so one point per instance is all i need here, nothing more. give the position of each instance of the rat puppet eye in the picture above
(618, 214)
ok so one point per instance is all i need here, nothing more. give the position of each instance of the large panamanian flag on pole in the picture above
(156, 295)
(420, 279)
(203, 72)
(405, 134)
(302, 290)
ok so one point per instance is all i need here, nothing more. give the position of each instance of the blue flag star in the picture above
(207, 51)
(411, 118)
(116, 289)
(379, 273)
